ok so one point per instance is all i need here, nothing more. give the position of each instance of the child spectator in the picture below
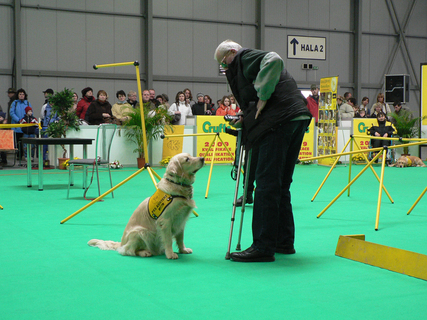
(225, 107)
(361, 113)
(29, 132)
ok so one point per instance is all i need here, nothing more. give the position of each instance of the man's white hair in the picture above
(224, 47)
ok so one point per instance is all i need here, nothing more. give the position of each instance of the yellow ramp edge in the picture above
(354, 247)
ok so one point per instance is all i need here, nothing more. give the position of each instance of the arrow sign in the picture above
(294, 42)
(311, 48)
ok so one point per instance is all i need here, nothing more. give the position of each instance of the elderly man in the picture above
(274, 120)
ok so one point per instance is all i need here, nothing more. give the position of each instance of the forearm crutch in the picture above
(245, 192)
(239, 150)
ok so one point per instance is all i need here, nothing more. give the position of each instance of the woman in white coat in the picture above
(180, 107)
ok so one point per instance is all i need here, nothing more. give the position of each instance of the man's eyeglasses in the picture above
(223, 64)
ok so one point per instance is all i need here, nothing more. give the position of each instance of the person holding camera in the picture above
(274, 119)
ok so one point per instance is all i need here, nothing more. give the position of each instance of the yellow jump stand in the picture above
(381, 152)
(418, 199)
(144, 136)
(354, 247)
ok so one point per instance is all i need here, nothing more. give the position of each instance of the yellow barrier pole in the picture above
(210, 146)
(395, 139)
(349, 166)
(375, 173)
(103, 195)
(364, 151)
(419, 198)
(188, 135)
(330, 171)
(131, 63)
(226, 148)
(377, 220)
(352, 181)
(210, 171)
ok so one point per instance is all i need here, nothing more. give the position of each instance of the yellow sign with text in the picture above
(327, 125)
(424, 93)
(307, 146)
(360, 128)
(215, 124)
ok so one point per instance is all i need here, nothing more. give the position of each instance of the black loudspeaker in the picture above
(396, 88)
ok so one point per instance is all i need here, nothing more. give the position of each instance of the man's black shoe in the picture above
(285, 249)
(251, 255)
(249, 200)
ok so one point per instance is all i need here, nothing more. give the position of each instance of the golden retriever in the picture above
(148, 234)
(408, 161)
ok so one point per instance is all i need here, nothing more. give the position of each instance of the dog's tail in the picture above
(104, 244)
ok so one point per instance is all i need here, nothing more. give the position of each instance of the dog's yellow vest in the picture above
(158, 202)
(409, 162)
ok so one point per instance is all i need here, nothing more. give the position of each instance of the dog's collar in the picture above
(409, 162)
(178, 183)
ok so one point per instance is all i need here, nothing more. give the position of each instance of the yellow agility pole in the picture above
(352, 181)
(418, 199)
(393, 139)
(212, 161)
(377, 220)
(103, 195)
(144, 134)
(349, 165)
(374, 172)
(330, 171)
(364, 151)
(19, 125)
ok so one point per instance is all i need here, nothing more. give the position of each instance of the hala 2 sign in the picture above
(306, 48)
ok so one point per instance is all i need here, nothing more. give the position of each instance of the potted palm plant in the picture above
(407, 127)
(65, 119)
(155, 122)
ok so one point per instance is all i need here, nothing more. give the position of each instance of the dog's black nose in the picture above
(202, 159)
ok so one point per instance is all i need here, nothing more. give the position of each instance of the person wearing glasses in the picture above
(274, 119)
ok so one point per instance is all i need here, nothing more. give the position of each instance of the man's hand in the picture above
(237, 123)
(260, 105)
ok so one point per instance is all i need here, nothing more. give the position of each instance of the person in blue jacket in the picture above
(17, 112)
(47, 116)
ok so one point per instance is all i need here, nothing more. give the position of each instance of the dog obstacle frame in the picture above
(381, 151)
(144, 137)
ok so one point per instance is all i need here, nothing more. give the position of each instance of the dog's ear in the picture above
(173, 166)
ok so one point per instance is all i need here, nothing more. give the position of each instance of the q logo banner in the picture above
(215, 124)
(360, 128)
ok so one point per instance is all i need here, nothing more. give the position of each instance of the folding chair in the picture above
(7, 144)
(104, 139)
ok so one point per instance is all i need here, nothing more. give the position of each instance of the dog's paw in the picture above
(172, 256)
(185, 250)
(144, 253)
